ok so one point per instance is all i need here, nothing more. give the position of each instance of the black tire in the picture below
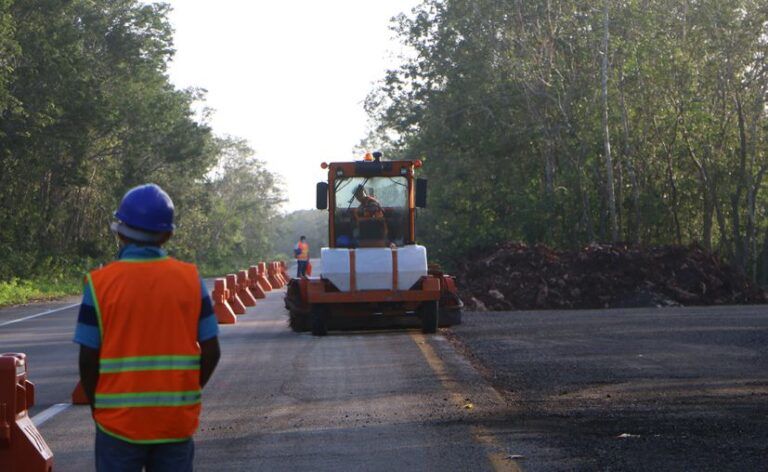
(450, 318)
(318, 320)
(429, 311)
(299, 323)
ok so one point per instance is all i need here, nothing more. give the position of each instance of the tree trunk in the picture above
(706, 234)
(634, 224)
(609, 190)
(764, 268)
(740, 241)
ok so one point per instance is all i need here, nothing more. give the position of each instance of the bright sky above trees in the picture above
(290, 77)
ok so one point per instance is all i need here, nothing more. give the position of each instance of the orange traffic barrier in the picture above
(274, 279)
(22, 448)
(279, 269)
(243, 289)
(253, 283)
(222, 308)
(284, 271)
(263, 277)
(234, 301)
(78, 395)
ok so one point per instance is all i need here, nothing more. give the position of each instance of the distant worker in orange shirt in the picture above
(148, 343)
(301, 251)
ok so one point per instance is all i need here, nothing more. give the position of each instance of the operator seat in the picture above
(372, 232)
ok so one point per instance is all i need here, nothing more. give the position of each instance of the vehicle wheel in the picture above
(450, 318)
(299, 323)
(429, 312)
(319, 322)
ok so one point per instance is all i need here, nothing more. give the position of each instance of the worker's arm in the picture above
(89, 371)
(209, 358)
(88, 336)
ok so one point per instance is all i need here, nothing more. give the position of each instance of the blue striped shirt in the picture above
(87, 329)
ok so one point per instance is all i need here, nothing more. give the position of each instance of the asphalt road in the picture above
(662, 389)
(383, 400)
(672, 389)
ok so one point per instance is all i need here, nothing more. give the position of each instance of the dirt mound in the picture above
(517, 276)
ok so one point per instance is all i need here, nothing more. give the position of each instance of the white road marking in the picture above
(49, 413)
(39, 314)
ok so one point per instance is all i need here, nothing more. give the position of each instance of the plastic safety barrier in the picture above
(234, 301)
(253, 283)
(264, 277)
(284, 271)
(22, 448)
(243, 289)
(221, 306)
(274, 276)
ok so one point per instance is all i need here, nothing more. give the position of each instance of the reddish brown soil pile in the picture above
(516, 276)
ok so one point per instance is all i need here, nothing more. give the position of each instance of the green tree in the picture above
(86, 112)
(511, 105)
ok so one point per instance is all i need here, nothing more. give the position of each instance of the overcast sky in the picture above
(290, 77)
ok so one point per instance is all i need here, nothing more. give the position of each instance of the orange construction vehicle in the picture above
(373, 273)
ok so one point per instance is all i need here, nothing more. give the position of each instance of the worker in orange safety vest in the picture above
(148, 343)
(301, 251)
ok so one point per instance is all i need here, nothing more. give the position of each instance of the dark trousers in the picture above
(301, 269)
(116, 455)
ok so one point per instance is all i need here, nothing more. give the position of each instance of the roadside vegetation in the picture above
(311, 223)
(86, 112)
(570, 122)
(15, 291)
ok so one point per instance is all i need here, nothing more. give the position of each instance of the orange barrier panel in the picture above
(284, 271)
(253, 283)
(222, 308)
(243, 291)
(274, 280)
(263, 277)
(234, 301)
(22, 448)
(78, 395)
(279, 274)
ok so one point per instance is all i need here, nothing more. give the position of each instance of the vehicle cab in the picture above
(371, 203)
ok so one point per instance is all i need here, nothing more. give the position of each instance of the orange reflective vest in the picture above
(304, 254)
(149, 362)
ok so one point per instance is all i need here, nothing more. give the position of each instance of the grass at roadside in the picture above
(16, 291)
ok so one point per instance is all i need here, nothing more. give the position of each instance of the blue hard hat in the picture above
(147, 207)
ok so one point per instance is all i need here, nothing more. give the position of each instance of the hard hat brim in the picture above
(135, 234)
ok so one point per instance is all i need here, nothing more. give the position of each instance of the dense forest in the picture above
(310, 223)
(560, 122)
(571, 121)
(87, 111)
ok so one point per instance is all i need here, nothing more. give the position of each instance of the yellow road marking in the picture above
(498, 459)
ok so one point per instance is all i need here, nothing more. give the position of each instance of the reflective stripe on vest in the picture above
(121, 400)
(149, 361)
(131, 364)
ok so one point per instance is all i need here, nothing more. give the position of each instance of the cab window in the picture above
(371, 211)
